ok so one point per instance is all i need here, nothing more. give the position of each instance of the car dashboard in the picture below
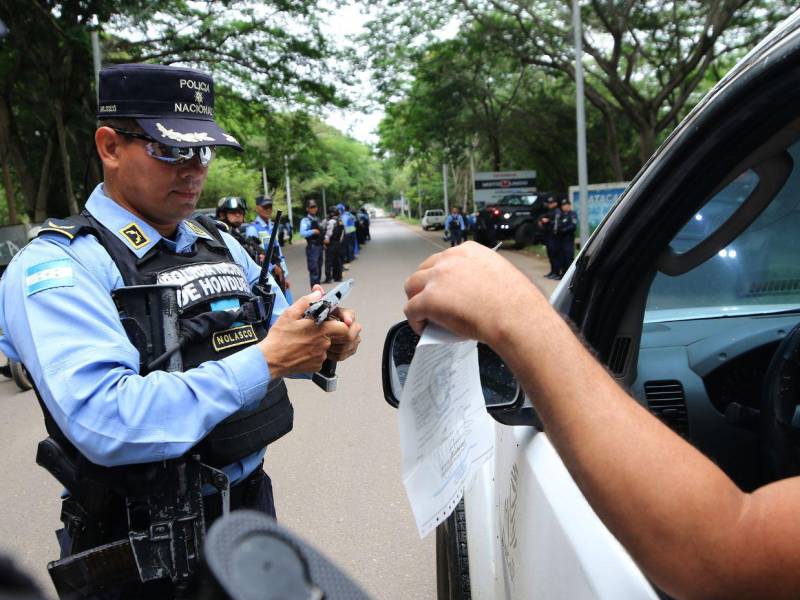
(691, 372)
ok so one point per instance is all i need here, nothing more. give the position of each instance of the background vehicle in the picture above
(512, 219)
(433, 219)
(689, 291)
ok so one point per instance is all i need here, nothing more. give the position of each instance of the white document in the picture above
(445, 431)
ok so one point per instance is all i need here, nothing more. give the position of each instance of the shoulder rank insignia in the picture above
(198, 230)
(53, 225)
(134, 234)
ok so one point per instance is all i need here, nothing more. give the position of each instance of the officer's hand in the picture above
(297, 345)
(343, 347)
(471, 291)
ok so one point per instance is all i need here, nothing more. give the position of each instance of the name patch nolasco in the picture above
(236, 336)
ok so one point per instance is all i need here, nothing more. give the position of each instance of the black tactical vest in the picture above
(316, 238)
(338, 231)
(206, 276)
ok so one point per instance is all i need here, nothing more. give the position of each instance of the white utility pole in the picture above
(419, 195)
(96, 56)
(583, 177)
(324, 204)
(288, 190)
(472, 175)
(264, 181)
(444, 185)
(403, 205)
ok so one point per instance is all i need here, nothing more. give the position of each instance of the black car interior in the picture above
(709, 342)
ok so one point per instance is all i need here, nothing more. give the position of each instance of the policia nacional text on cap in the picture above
(147, 339)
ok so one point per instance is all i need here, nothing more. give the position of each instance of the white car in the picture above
(689, 292)
(433, 219)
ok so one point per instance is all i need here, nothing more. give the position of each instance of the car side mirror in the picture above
(501, 391)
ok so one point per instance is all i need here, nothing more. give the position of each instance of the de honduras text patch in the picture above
(50, 274)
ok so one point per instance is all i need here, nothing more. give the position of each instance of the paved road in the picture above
(336, 476)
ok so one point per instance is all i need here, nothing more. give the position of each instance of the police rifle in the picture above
(320, 311)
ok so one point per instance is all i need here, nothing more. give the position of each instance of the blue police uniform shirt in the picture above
(349, 222)
(262, 230)
(450, 218)
(58, 318)
(306, 230)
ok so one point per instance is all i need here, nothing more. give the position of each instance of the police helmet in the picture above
(231, 203)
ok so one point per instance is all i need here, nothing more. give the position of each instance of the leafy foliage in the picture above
(270, 54)
(506, 76)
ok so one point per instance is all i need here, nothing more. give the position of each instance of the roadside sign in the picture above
(12, 239)
(602, 196)
(491, 186)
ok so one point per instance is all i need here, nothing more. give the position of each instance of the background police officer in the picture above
(261, 228)
(334, 254)
(545, 224)
(565, 223)
(311, 230)
(350, 239)
(104, 404)
(454, 226)
(230, 210)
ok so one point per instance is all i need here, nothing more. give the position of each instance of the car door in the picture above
(530, 531)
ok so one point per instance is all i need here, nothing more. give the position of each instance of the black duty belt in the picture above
(108, 567)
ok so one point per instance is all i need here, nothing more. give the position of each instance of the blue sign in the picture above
(601, 199)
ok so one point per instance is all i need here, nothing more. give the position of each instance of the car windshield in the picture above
(759, 272)
(518, 201)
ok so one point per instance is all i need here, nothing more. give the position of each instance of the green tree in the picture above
(269, 53)
(647, 63)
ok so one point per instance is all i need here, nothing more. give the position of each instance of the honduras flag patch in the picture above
(50, 274)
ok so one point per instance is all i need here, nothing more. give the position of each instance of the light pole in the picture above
(583, 177)
(444, 184)
(288, 191)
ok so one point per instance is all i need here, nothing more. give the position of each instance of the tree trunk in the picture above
(40, 206)
(494, 142)
(9, 186)
(14, 152)
(647, 141)
(612, 145)
(72, 204)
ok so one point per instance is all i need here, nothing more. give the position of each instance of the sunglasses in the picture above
(171, 155)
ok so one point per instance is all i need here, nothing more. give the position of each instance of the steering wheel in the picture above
(780, 412)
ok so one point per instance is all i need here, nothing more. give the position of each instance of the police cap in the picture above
(311, 204)
(263, 201)
(173, 105)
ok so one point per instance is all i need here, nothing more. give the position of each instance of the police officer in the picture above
(261, 228)
(565, 223)
(125, 425)
(311, 230)
(230, 210)
(334, 255)
(363, 226)
(349, 232)
(454, 225)
(545, 224)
